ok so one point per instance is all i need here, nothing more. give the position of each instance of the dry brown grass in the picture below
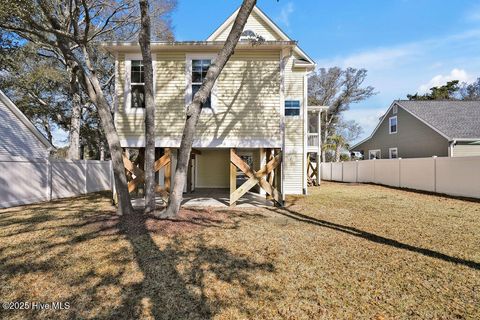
(344, 252)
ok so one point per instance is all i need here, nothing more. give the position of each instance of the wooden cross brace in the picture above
(140, 174)
(255, 177)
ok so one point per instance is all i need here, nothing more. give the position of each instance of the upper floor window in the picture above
(392, 128)
(292, 107)
(199, 72)
(137, 84)
(395, 109)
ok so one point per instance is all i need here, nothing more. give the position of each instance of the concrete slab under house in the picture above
(256, 133)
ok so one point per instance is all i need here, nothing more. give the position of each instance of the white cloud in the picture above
(439, 80)
(285, 13)
(366, 118)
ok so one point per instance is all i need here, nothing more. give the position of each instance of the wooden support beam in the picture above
(233, 177)
(196, 151)
(168, 169)
(255, 177)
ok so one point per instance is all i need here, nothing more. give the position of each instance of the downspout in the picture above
(451, 147)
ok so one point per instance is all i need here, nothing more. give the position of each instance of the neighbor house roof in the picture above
(456, 120)
(19, 114)
(452, 119)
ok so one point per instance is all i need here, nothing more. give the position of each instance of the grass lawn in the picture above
(343, 252)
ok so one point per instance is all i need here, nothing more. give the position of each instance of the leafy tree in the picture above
(69, 30)
(337, 89)
(445, 92)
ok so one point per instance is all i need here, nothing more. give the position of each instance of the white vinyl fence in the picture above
(25, 180)
(452, 176)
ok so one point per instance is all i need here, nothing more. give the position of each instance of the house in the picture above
(257, 109)
(19, 137)
(416, 129)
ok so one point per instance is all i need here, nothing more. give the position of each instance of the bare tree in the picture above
(144, 41)
(194, 108)
(337, 89)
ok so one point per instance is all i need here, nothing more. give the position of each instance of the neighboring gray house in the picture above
(416, 129)
(18, 136)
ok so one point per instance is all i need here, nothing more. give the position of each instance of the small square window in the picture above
(292, 108)
(374, 154)
(392, 125)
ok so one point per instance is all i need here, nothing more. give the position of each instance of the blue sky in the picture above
(406, 45)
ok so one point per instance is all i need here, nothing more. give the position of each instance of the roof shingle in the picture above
(455, 119)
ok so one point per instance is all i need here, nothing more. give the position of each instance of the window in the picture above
(393, 153)
(395, 109)
(292, 108)
(374, 154)
(199, 72)
(137, 84)
(392, 128)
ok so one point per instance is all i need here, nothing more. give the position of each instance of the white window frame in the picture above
(188, 80)
(127, 99)
(390, 152)
(390, 125)
(375, 150)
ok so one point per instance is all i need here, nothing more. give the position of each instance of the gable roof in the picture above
(273, 28)
(456, 120)
(452, 119)
(28, 124)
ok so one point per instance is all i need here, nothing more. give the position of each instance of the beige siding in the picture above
(466, 149)
(294, 132)
(247, 94)
(257, 25)
(213, 169)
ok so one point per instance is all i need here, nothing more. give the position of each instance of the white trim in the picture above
(390, 125)
(23, 118)
(139, 142)
(390, 152)
(188, 80)
(374, 150)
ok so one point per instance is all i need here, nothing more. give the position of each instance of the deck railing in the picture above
(312, 140)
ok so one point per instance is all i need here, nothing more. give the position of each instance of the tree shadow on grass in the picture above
(373, 237)
(176, 275)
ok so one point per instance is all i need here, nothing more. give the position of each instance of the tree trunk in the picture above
(144, 41)
(74, 135)
(337, 153)
(194, 109)
(95, 93)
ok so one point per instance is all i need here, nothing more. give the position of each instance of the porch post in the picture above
(168, 170)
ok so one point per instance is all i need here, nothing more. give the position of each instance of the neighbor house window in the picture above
(137, 84)
(374, 154)
(199, 72)
(292, 108)
(395, 109)
(393, 153)
(393, 125)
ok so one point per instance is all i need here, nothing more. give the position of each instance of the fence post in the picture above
(331, 171)
(434, 173)
(85, 166)
(356, 171)
(342, 171)
(399, 172)
(49, 180)
(374, 180)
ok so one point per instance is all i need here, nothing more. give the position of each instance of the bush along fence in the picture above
(25, 180)
(451, 176)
